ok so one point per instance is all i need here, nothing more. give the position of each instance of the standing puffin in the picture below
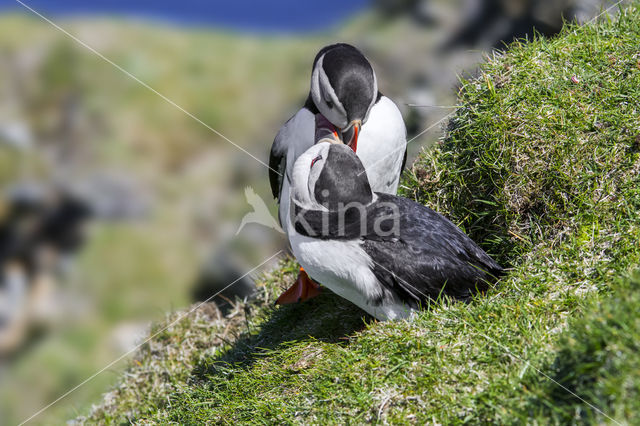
(384, 253)
(344, 104)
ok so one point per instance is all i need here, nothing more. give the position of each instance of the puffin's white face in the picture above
(344, 89)
(328, 177)
(306, 171)
(325, 97)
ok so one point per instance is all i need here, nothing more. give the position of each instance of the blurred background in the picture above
(116, 207)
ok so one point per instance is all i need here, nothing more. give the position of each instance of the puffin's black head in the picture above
(341, 180)
(344, 88)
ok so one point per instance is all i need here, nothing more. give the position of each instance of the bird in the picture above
(260, 213)
(386, 254)
(344, 106)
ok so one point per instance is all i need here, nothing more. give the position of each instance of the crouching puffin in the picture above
(384, 253)
(344, 106)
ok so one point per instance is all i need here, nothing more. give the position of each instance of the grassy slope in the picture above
(543, 172)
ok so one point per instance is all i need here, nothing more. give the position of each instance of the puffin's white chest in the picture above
(381, 146)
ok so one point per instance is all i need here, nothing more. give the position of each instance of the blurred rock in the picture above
(224, 275)
(17, 135)
(13, 309)
(40, 231)
(115, 196)
(495, 23)
(420, 10)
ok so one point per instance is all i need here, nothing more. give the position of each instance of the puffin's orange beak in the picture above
(353, 142)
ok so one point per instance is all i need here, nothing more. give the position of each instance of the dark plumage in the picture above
(415, 253)
(333, 189)
(350, 75)
(431, 256)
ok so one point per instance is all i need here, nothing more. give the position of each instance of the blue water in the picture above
(262, 16)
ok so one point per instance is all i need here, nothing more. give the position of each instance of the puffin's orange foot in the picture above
(303, 289)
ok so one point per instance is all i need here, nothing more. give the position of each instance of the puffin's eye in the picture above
(330, 104)
(319, 157)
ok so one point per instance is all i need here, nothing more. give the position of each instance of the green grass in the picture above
(597, 360)
(539, 168)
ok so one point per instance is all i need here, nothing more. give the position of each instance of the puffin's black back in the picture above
(428, 256)
(343, 180)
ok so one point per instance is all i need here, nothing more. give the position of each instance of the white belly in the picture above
(345, 268)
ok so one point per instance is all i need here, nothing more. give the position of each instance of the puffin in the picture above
(343, 106)
(386, 254)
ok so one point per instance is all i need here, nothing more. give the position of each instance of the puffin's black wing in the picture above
(278, 160)
(404, 161)
(277, 166)
(296, 135)
(422, 255)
